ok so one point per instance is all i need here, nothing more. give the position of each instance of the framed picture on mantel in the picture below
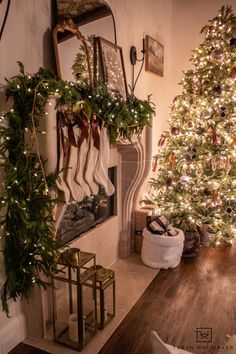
(154, 58)
(112, 65)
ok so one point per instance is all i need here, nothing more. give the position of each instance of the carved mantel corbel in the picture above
(133, 165)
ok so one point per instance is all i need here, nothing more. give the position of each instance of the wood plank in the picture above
(23, 348)
(199, 293)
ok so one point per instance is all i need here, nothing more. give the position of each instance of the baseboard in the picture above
(12, 334)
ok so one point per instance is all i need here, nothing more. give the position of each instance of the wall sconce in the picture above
(133, 60)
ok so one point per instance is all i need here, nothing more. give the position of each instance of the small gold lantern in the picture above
(105, 284)
(74, 299)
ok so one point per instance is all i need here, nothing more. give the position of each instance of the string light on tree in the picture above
(200, 146)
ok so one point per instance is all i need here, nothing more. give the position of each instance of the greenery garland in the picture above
(26, 206)
(25, 201)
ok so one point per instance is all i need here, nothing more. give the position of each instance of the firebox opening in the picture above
(82, 216)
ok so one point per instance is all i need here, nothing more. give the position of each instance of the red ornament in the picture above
(233, 72)
(175, 131)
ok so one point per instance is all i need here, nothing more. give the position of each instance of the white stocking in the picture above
(81, 162)
(101, 170)
(63, 163)
(92, 158)
(76, 190)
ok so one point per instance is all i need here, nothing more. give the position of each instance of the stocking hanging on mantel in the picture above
(84, 157)
(63, 161)
(101, 169)
(92, 158)
(76, 190)
(83, 148)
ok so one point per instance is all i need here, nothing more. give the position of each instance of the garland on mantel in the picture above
(123, 118)
(26, 204)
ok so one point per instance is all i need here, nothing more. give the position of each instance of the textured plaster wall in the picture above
(25, 38)
(134, 20)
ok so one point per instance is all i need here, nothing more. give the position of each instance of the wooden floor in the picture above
(199, 293)
(23, 348)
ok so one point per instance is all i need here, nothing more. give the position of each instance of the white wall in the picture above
(24, 39)
(134, 20)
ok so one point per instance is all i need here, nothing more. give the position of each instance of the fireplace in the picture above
(115, 236)
(80, 217)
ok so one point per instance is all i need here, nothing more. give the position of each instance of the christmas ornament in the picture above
(229, 210)
(161, 140)
(190, 124)
(217, 90)
(221, 162)
(229, 81)
(154, 165)
(206, 114)
(222, 112)
(169, 181)
(175, 131)
(185, 179)
(233, 72)
(216, 54)
(207, 192)
(192, 153)
(216, 200)
(232, 42)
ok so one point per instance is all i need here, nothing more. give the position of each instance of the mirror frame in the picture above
(76, 19)
(72, 28)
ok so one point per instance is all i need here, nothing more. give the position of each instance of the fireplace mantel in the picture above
(113, 238)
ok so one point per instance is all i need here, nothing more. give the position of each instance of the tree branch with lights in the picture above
(196, 183)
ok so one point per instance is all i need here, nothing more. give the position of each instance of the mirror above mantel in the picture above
(92, 18)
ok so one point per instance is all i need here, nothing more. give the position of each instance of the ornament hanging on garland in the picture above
(192, 153)
(216, 55)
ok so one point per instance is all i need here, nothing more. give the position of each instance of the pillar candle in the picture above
(73, 327)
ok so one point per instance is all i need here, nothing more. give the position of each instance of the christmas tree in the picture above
(196, 179)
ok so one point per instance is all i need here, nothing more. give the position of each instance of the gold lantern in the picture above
(74, 299)
(105, 285)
